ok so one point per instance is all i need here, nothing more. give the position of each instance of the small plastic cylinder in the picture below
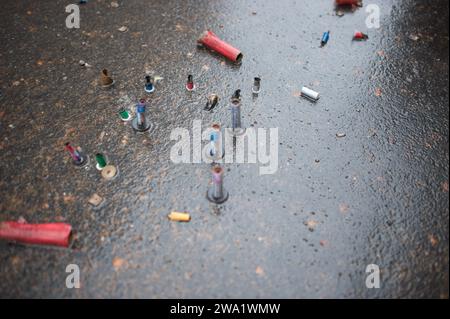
(140, 113)
(179, 217)
(256, 85)
(308, 93)
(101, 161)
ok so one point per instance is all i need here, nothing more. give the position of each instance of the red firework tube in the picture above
(349, 3)
(211, 41)
(55, 234)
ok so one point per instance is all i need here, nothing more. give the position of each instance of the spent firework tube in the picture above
(310, 94)
(190, 86)
(54, 234)
(213, 42)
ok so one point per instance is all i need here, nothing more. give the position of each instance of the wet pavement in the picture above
(379, 195)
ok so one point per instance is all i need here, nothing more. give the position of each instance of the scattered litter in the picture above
(158, 78)
(124, 115)
(82, 1)
(211, 41)
(95, 200)
(105, 80)
(78, 158)
(340, 13)
(123, 29)
(114, 4)
(341, 135)
(140, 122)
(54, 234)
(309, 94)
(84, 64)
(190, 86)
(217, 193)
(179, 217)
(213, 99)
(359, 36)
(109, 172)
(101, 161)
(149, 84)
(256, 85)
(325, 38)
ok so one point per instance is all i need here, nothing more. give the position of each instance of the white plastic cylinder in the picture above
(311, 94)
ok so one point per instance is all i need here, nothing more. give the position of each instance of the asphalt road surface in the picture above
(378, 194)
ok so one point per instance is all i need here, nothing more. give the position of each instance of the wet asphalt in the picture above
(379, 195)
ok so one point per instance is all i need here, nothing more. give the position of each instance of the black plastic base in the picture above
(211, 198)
(146, 127)
(84, 161)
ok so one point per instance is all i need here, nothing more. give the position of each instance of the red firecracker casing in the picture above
(359, 36)
(56, 234)
(348, 2)
(211, 41)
